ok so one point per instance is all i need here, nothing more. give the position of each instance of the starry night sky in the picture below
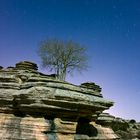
(109, 29)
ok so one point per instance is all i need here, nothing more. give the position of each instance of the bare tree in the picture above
(62, 57)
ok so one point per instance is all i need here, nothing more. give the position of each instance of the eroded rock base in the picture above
(30, 128)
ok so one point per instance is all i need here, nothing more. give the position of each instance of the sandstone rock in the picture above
(23, 128)
(125, 129)
(26, 65)
(29, 128)
(32, 102)
(91, 85)
(25, 90)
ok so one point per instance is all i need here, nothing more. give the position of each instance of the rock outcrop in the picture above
(125, 129)
(38, 106)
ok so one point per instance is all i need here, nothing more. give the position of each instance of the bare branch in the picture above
(62, 57)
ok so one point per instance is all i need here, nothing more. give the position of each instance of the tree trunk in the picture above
(62, 75)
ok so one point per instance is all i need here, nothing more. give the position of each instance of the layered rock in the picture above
(29, 128)
(31, 102)
(125, 129)
(91, 85)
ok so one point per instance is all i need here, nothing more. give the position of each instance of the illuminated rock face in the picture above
(31, 128)
(32, 102)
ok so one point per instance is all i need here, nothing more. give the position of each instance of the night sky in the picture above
(109, 29)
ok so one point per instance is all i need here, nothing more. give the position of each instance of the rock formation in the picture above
(38, 106)
(125, 129)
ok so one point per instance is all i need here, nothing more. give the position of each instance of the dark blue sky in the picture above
(109, 29)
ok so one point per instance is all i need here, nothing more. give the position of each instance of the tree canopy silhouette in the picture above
(62, 57)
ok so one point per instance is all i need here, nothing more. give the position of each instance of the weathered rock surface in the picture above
(31, 128)
(31, 103)
(23, 89)
(125, 129)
